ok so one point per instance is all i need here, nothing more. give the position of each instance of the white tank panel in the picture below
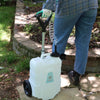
(45, 76)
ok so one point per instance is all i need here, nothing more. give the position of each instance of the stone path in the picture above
(90, 89)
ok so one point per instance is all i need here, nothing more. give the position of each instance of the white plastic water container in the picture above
(44, 78)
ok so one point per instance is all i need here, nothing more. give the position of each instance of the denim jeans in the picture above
(83, 23)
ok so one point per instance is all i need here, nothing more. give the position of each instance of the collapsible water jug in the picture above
(45, 77)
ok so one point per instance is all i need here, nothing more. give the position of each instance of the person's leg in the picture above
(83, 32)
(62, 29)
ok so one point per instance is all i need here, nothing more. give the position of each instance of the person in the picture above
(70, 13)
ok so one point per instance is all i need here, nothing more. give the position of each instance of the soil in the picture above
(9, 82)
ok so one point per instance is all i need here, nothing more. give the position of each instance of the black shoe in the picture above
(63, 57)
(74, 78)
(55, 54)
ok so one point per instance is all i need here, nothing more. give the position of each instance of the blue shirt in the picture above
(70, 7)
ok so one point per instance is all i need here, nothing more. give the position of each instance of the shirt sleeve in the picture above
(49, 4)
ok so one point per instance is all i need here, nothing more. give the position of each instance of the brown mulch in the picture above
(8, 83)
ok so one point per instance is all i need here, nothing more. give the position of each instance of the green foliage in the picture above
(22, 65)
(8, 59)
(11, 58)
(6, 15)
(27, 28)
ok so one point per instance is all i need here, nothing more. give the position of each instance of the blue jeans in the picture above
(83, 23)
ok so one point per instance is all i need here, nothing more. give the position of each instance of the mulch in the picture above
(8, 83)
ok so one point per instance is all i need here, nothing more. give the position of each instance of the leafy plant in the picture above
(22, 65)
(27, 28)
(11, 58)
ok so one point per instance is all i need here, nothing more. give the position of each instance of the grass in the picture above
(22, 65)
(6, 15)
(8, 58)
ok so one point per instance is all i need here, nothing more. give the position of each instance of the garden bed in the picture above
(35, 32)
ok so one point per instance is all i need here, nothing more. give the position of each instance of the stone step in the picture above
(90, 85)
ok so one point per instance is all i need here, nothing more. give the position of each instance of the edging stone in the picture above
(21, 49)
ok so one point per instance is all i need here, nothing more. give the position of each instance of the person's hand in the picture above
(45, 12)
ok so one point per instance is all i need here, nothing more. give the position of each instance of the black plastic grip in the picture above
(38, 15)
(42, 23)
